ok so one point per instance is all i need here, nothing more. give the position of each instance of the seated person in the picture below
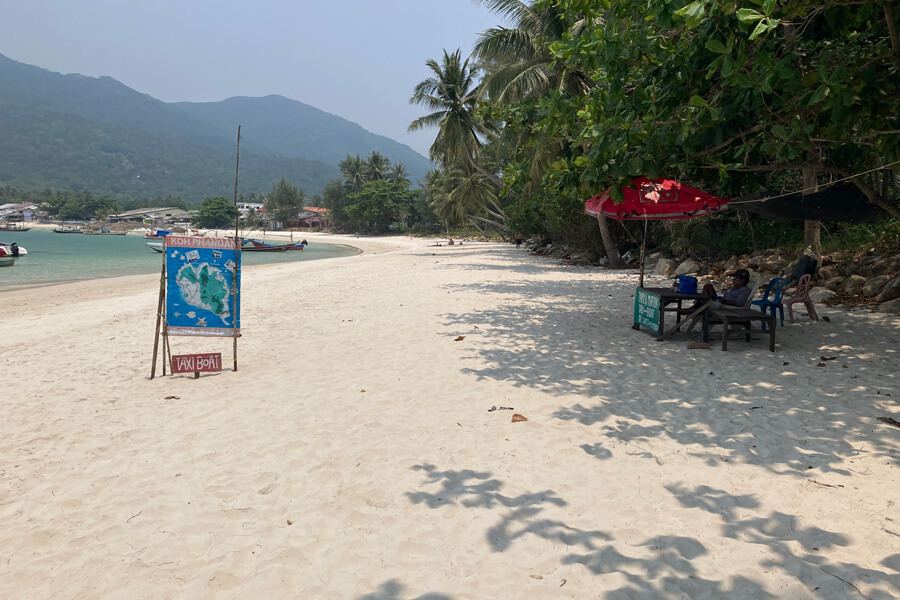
(737, 295)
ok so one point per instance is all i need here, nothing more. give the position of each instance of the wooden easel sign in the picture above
(197, 363)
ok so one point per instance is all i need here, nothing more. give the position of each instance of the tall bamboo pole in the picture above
(237, 249)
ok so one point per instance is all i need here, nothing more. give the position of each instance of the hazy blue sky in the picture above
(358, 59)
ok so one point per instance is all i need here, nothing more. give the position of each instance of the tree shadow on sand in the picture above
(556, 339)
(664, 566)
(394, 590)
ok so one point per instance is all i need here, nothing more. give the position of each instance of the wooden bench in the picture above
(728, 316)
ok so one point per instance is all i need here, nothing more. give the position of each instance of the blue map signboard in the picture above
(203, 282)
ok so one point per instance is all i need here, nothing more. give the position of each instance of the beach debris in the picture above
(784, 364)
(826, 319)
(820, 365)
(474, 326)
(517, 418)
(698, 345)
(844, 367)
(460, 338)
(362, 391)
(289, 522)
(826, 484)
(173, 397)
(889, 421)
(492, 409)
(827, 357)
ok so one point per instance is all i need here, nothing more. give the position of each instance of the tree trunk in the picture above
(811, 229)
(612, 253)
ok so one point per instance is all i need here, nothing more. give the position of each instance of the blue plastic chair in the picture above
(772, 299)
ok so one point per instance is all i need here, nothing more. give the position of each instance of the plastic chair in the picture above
(775, 288)
(801, 295)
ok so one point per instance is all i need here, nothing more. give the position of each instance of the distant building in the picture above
(26, 211)
(156, 217)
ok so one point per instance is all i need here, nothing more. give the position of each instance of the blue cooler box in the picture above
(687, 284)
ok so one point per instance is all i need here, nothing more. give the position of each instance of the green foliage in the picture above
(215, 213)
(285, 201)
(379, 206)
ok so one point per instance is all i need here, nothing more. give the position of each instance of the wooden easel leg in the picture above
(159, 310)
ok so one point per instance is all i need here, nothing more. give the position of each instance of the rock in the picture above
(832, 284)
(730, 265)
(826, 273)
(754, 261)
(874, 286)
(823, 295)
(890, 292)
(891, 306)
(688, 266)
(851, 285)
(665, 267)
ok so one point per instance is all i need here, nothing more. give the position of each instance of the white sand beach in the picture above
(364, 449)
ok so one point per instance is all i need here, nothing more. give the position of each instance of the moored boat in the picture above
(11, 226)
(260, 246)
(159, 233)
(7, 261)
(155, 246)
(66, 229)
(13, 249)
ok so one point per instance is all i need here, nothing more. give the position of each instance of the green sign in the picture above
(646, 309)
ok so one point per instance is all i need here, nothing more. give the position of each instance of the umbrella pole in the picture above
(643, 248)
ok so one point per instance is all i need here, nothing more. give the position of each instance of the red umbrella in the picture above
(654, 199)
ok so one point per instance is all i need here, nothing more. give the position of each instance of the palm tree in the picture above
(398, 174)
(518, 61)
(376, 166)
(451, 95)
(353, 169)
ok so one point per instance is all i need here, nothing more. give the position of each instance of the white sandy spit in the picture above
(357, 451)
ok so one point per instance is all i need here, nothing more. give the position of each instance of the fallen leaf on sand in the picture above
(173, 397)
(362, 391)
(785, 364)
(889, 421)
(826, 319)
(844, 367)
(517, 418)
(474, 326)
(460, 338)
(820, 365)
(827, 357)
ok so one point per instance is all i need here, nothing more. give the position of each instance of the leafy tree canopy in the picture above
(285, 201)
(215, 213)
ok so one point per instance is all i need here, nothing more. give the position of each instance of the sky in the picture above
(358, 59)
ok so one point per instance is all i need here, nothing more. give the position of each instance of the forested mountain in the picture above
(96, 134)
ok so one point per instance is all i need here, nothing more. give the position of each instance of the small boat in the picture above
(155, 235)
(7, 261)
(66, 229)
(103, 231)
(13, 251)
(155, 246)
(13, 227)
(260, 246)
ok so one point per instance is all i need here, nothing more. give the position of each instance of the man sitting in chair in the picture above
(736, 296)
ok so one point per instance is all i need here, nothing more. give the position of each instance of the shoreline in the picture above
(363, 447)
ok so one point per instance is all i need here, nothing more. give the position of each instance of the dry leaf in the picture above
(517, 418)
(362, 391)
(173, 398)
(785, 364)
(460, 338)
(826, 319)
(827, 357)
(820, 365)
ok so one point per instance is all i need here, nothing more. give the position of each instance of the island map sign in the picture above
(202, 276)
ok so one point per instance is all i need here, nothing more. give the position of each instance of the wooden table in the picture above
(655, 302)
(731, 315)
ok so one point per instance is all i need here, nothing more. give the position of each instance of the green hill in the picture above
(96, 134)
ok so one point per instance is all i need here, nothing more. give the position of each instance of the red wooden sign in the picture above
(194, 363)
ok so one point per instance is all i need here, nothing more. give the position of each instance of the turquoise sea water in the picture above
(60, 257)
